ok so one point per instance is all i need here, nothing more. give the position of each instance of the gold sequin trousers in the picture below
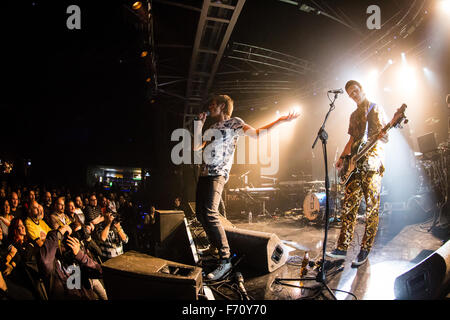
(367, 185)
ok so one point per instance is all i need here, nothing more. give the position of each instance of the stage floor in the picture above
(395, 251)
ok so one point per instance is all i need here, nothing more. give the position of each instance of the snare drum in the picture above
(314, 206)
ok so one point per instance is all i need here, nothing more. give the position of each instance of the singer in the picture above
(215, 173)
(365, 121)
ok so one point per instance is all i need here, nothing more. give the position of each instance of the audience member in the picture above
(112, 205)
(5, 216)
(23, 277)
(104, 205)
(2, 193)
(47, 205)
(36, 227)
(111, 237)
(58, 262)
(16, 208)
(93, 212)
(177, 204)
(30, 199)
(59, 218)
(79, 207)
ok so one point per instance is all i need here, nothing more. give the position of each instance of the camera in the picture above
(117, 218)
(81, 234)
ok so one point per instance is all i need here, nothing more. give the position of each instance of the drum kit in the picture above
(308, 194)
(433, 168)
(314, 202)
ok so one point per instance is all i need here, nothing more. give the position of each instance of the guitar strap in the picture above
(367, 121)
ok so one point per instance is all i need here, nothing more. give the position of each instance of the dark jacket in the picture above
(56, 278)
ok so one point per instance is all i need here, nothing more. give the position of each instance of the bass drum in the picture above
(314, 206)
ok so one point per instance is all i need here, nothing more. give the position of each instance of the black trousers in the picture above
(209, 193)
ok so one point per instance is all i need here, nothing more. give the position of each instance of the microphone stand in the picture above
(321, 275)
(335, 219)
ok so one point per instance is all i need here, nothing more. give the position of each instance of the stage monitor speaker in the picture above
(261, 251)
(173, 239)
(166, 222)
(135, 275)
(427, 142)
(427, 280)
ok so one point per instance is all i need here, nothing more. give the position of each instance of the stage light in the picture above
(141, 12)
(296, 108)
(137, 5)
(144, 54)
(432, 80)
(407, 77)
(403, 57)
(390, 61)
(148, 79)
(371, 83)
(445, 6)
(373, 74)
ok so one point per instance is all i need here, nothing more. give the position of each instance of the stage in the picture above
(394, 252)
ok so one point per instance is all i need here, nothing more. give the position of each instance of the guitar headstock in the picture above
(399, 117)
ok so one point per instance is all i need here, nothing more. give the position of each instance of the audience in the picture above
(111, 237)
(79, 207)
(23, 278)
(93, 213)
(112, 205)
(5, 216)
(47, 204)
(2, 193)
(36, 227)
(58, 262)
(32, 263)
(30, 199)
(16, 208)
(59, 218)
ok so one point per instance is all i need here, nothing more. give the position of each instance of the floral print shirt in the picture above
(219, 153)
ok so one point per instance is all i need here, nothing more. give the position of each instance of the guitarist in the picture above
(366, 121)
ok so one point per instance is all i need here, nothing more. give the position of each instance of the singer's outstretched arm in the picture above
(255, 133)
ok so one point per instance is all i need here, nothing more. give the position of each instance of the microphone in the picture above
(207, 114)
(240, 281)
(336, 91)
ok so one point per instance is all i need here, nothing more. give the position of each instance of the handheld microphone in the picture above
(336, 91)
(240, 281)
(207, 114)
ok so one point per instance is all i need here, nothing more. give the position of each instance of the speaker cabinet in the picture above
(427, 280)
(261, 251)
(173, 239)
(166, 222)
(134, 275)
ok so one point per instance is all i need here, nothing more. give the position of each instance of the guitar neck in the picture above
(368, 146)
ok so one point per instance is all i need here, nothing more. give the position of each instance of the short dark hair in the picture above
(352, 82)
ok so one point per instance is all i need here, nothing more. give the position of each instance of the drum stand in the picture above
(321, 275)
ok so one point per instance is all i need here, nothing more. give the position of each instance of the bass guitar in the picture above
(350, 162)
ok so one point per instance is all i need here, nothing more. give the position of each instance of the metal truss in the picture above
(215, 25)
(270, 58)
